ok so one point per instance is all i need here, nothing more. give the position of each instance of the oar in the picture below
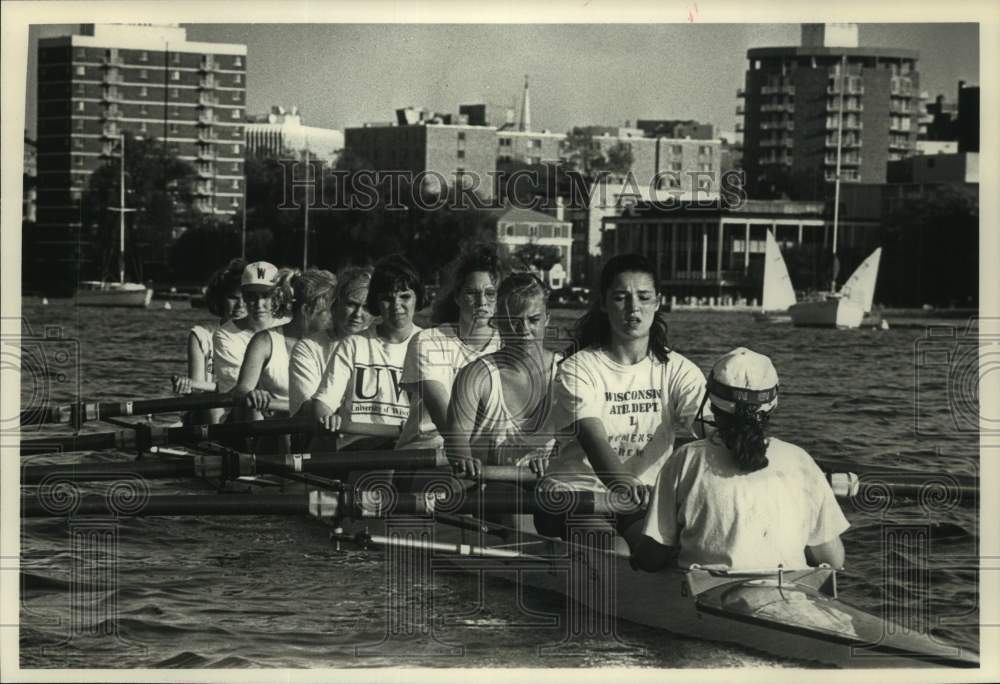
(144, 435)
(83, 412)
(364, 504)
(930, 488)
(90, 411)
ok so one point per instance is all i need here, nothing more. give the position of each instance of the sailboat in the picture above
(778, 293)
(846, 308)
(121, 293)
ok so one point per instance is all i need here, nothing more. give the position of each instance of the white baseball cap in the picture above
(260, 275)
(743, 377)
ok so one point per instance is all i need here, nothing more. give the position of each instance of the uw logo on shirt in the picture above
(368, 384)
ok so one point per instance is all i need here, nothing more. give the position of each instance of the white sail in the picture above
(860, 287)
(778, 292)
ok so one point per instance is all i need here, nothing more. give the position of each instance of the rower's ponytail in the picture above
(745, 435)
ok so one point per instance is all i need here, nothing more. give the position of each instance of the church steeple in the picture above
(525, 123)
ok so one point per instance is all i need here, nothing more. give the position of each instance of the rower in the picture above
(309, 356)
(500, 406)
(307, 297)
(435, 356)
(224, 299)
(361, 383)
(740, 499)
(625, 396)
(230, 341)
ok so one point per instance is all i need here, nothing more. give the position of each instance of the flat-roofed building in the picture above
(281, 133)
(796, 99)
(149, 81)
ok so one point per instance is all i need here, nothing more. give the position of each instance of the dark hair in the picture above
(283, 293)
(393, 274)
(477, 258)
(224, 281)
(593, 328)
(745, 434)
(519, 288)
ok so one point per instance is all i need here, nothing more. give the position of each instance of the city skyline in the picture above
(580, 74)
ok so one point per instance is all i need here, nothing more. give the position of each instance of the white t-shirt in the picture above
(305, 367)
(274, 375)
(435, 354)
(642, 406)
(229, 346)
(363, 380)
(727, 519)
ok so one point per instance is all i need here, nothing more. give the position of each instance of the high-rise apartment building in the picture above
(797, 99)
(151, 82)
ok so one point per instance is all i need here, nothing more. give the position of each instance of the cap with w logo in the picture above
(260, 275)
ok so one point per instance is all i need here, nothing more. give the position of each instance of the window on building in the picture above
(81, 52)
(175, 75)
(174, 128)
(677, 150)
(705, 149)
(81, 106)
(534, 160)
(176, 58)
(460, 154)
(238, 61)
(78, 124)
(78, 143)
(236, 184)
(81, 71)
(78, 161)
(235, 114)
(675, 166)
(461, 135)
(175, 93)
(143, 56)
(532, 230)
(144, 111)
(144, 92)
(144, 74)
(236, 149)
(236, 96)
(238, 79)
(236, 166)
(504, 142)
(143, 127)
(510, 230)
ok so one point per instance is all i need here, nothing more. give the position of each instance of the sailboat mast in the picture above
(836, 179)
(121, 214)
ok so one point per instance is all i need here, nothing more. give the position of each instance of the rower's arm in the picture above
(435, 400)
(463, 410)
(593, 438)
(831, 553)
(196, 358)
(258, 353)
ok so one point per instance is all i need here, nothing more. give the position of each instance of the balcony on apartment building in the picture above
(207, 137)
(845, 160)
(776, 142)
(111, 95)
(112, 114)
(112, 78)
(208, 65)
(206, 153)
(778, 125)
(110, 131)
(207, 100)
(112, 62)
(207, 119)
(784, 107)
(207, 83)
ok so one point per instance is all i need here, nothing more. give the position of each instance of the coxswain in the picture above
(741, 499)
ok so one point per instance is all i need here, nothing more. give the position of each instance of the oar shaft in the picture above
(94, 472)
(169, 504)
(91, 411)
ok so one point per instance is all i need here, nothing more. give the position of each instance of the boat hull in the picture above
(774, 317)
(131, 295)
(793, 614)
(828, 313)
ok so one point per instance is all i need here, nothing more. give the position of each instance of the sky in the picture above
(343, 75)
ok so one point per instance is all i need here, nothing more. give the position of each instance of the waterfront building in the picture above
(281, 133)
(149, 81)
(517, 227)
(791, 100)
(718, 251)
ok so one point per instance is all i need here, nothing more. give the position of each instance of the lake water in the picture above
(275, 592)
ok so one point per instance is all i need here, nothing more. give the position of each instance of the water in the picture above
(265, 591)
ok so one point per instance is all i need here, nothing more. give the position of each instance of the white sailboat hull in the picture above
(827, 313)
(97, 293)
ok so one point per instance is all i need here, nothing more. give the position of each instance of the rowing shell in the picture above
(788, 613)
